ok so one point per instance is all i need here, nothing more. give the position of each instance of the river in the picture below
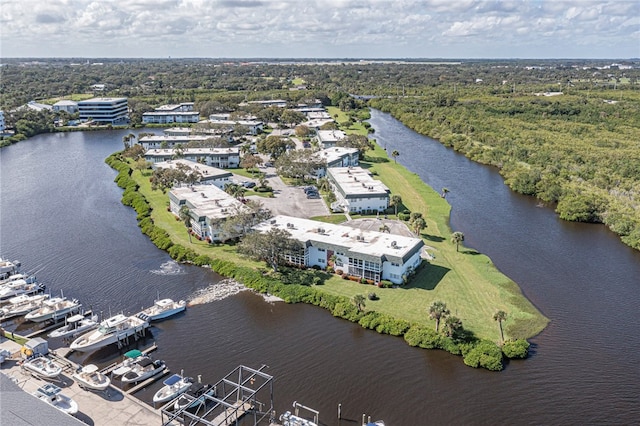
(60, 214)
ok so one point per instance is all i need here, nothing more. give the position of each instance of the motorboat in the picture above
(12, 278)
(8, 268)
(162, 309)
(289, 419)
(89, 377)
(18, 287)
(21, 305)
(130, 358)
(42, 367)
(194, 396)
(142, 369)
(75, 325)
(52, 395)
(54, 308)
(112, 330)
(173, 387)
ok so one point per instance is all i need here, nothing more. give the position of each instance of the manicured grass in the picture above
(297, 81)
(466, 281)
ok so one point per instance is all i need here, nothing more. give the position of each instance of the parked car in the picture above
(313, 194)
(308, 189)
(248, 184)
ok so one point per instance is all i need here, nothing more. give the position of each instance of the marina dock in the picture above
(110, 407)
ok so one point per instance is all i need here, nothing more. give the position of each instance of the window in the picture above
(320, 260)
(321, 250)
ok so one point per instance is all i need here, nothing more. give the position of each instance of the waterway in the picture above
(60, 214)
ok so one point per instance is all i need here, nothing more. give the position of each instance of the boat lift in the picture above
(236, 397)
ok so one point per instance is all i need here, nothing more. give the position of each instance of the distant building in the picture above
(2, 124)
(340, 156)
(66, 105)
(169, 141)
(208, 175)
(366, 254)
(222, 158)
(104, 110)
(209, 207)
(33, 105)
(253, 126)
(166, 114)
(356, 191)
(280, 103)
(330, 138)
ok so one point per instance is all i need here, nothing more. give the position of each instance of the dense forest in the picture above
(567, 132)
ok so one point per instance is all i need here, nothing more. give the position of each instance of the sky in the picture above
(320, 28)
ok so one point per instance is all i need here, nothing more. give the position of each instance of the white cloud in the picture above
(290, 28)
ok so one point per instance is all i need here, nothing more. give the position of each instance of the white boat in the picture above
(162, 309)
(52, 395)
(111, 330)
(54, 308)
(75, 325)
(130, 358)
(18, 287)
(195, 396)
(21, 305)
(173, 387)
(289, 419)
(89, 377)
(12, 278)
(42, 367)
(142, 369)
(8, 268)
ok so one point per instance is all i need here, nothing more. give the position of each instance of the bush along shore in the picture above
(294, 286)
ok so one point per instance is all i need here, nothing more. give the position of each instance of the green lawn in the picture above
(466, 281)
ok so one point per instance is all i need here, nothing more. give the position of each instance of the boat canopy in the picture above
(144, 362)
(133, 353)
(89, 369)
(75, 318)
(172, 380)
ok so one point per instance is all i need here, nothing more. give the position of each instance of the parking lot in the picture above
(290, 200)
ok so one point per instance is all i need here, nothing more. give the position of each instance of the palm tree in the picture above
(445, 191)
(437, 311)
(456, 238)
(418, 225)
(453, 325)
(395, 155)
(384, 228)
(185, 216)
(500, 316)
(395, 201)
(359, 301)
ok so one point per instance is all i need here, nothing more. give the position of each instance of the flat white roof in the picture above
(233, 122)
(356, 181)
(371, 243)
(65, 102)
(171, 112)
(207, 172)
(331, 135)
(106, 100)
(208, 201)
(168, 138)
(193, 151)
(336, 153)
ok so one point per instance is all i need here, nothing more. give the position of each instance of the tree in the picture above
(500, 316)
(453, 325)
(456, 238)
(418, 224)
(395, 201)
(250, 161)
(275, 146)
(185, 217)
(437, 311)
(445, 191)
(360, 142)
(299, 164)
(395, 155)
(272, 246)
(359, 301)
(384, 228)
(292, 117)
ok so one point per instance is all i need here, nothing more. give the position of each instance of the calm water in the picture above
(60, 214)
